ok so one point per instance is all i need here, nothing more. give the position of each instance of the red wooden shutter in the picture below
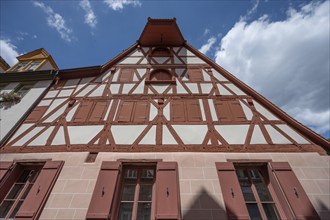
(4, 169)
(177, 110)
(294, 192)
(141, 111)
(167, 191)
(98, 111)
(36, 114)
(193, 110)
(10, 174)
(126, 75)
(125, 111)
(37, 197)
(223, 110)
(83, 111)
(231, 191)
(237, 111)
(104, 191)
(195, 75)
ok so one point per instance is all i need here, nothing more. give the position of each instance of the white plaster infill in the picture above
(83, 134)
(126, 134)
(191, 134)
(233, 134)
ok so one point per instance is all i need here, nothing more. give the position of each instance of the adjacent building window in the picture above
(229, 111)
(23, 88)
(133, 111)
(185, 111)
(33, 65)
(263, 190)
(136, 190)
(25, 188)
(19, 66)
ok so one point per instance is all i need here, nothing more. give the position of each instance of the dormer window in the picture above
(160, 76)
(19, 66)
(161, 52)
(33, 65)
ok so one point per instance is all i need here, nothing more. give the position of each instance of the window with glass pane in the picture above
(24, 88)
(33, 65)
(258, 199)
(136, 195)
(18, 192)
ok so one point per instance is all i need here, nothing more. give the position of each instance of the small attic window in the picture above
(161, 52)
(160, 76)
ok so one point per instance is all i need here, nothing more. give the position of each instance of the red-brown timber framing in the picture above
(324, 145)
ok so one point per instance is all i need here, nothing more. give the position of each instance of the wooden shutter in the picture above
(193, 110)
(4, 169)
(223, 110)
(10, 174)
(293, 191)
(83, 111)
(231, 191)
(36, 114)
(125, 111)
(98, 111)
(126, 75)
(237, 111)
(37, 197)
(167, 191)
(177, 110)
(141, 112)
(106, 185)
(195, 75)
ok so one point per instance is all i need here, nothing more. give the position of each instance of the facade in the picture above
(22, 86)
(161, 132)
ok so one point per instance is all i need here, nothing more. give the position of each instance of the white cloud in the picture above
(206, 32)
(286, 61)
(118, 5)
(90, 18)
(56, 21)
(8, 52)
(206, 47)
(251, 11)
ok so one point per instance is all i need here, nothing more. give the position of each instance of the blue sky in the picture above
(280, 48)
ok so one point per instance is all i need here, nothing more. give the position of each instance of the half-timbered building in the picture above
(161, 132)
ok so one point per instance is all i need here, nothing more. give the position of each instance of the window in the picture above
(33, 65)
(16, 195)
(136, 194)
(195, 75)
(185, 110)
(160, 76)
(229, 111)
(23, 88)
(90, 111)
(25, 187)
(263, 190)
(126, 75)
(161, 52)
(258, 199)
(136, 190)
(19, 66)
(133, 111)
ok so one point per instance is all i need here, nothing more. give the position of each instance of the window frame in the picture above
(37, 196)
(282, 183)
(105, 200)
(149, 79)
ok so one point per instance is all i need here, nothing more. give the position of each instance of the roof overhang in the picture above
(159, 32)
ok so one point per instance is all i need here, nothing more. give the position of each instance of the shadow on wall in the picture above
(204, 207)
(323, 209)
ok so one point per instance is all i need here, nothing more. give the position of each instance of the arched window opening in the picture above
(161, 76)
(161, 52)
